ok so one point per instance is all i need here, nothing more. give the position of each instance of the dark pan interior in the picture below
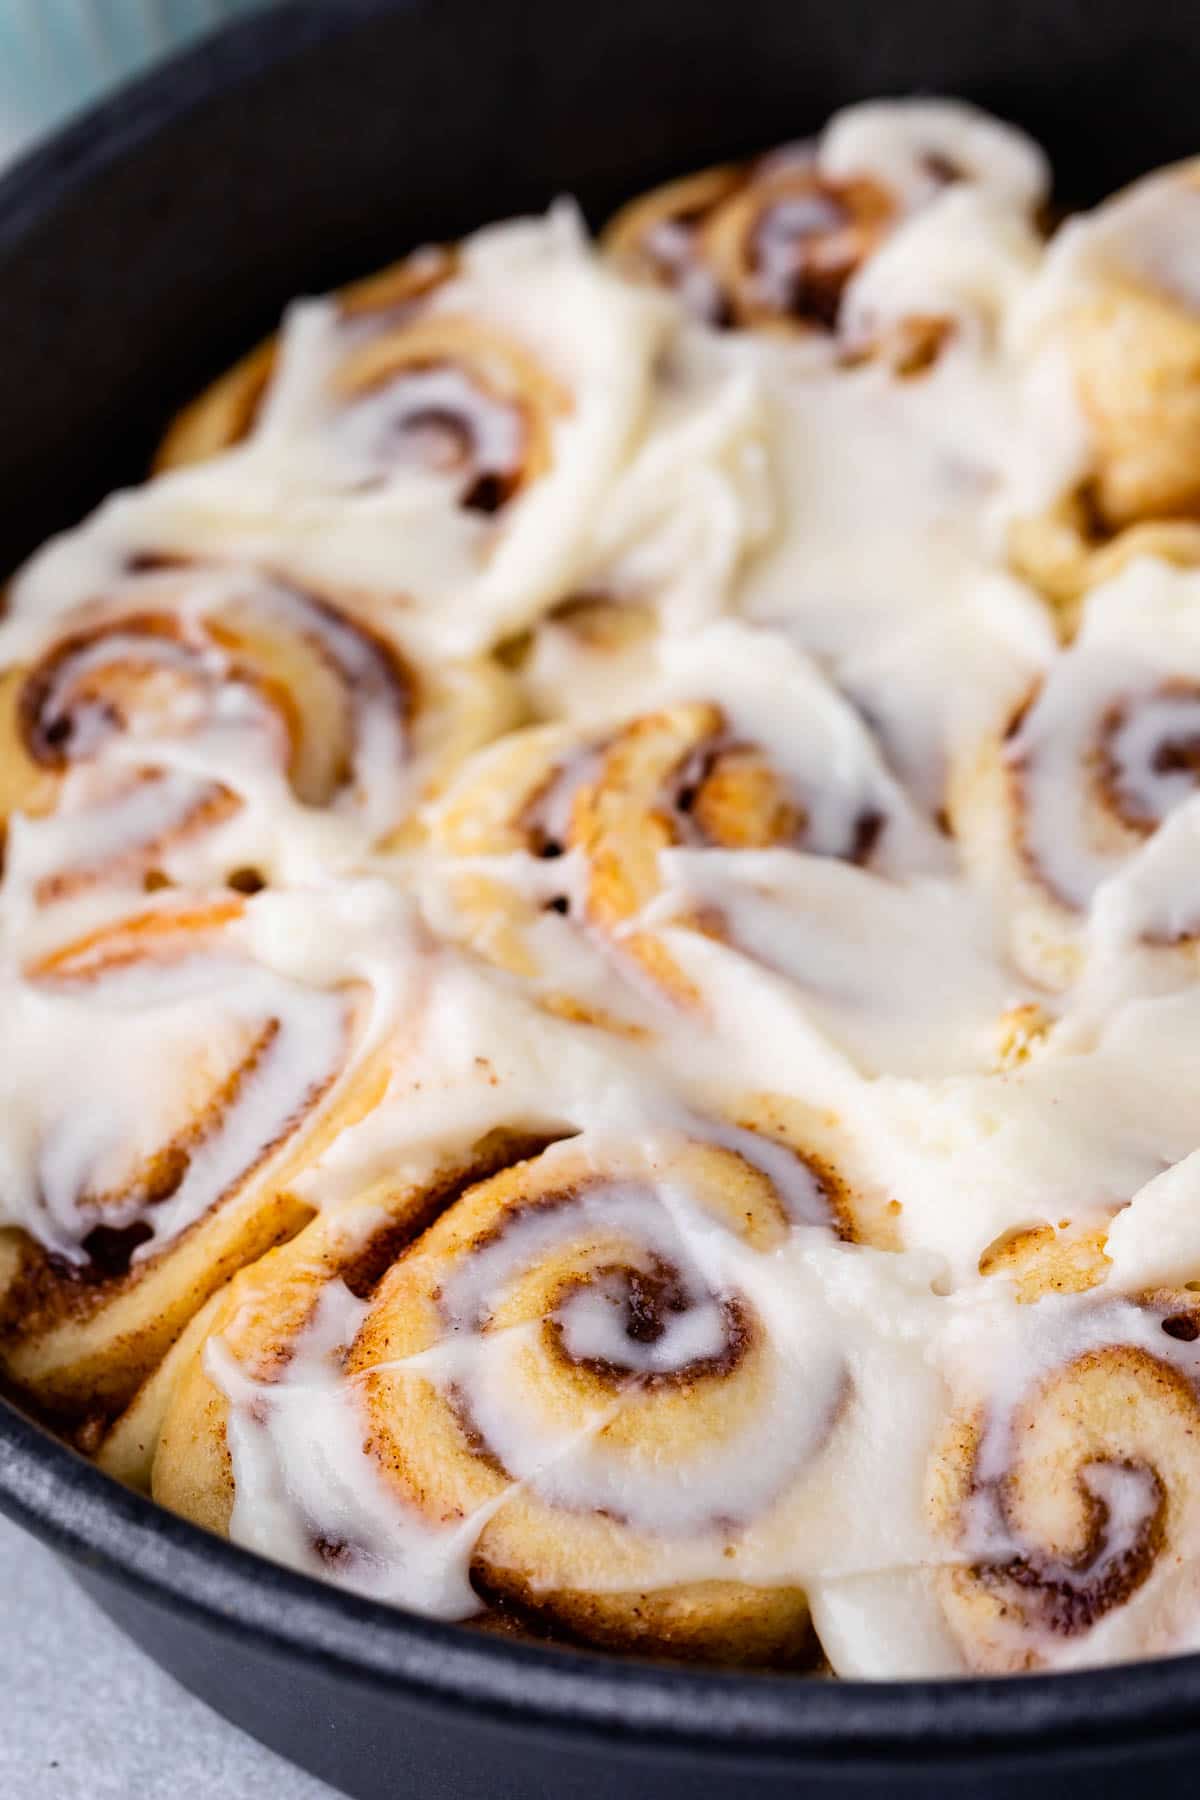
(139, 252)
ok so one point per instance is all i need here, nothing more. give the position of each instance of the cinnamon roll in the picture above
(725, 769)
(228, 411)
(1115, 304)
(770, 243)
(169, 1088)
(1072, 812)
(1067, 551)
(445, 441)
(571, 1397)
(408, 386)
(176, 728)
(1069, 1490)
(775, 243)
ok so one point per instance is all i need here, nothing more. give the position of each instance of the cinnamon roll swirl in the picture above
(724, 770)
(1070, 1490)
(448, 449)
(169, 1088)
(571, 1397)
(407, 386)
(175, 728)
(774, 244)
(228, 411)
(771, 243)
(1073, 810)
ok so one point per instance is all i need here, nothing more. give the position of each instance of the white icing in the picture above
(80, 1122)
(197, 724)
(905, 977)
(300, 1439)
(895, 492)
(884, 1626)
(1072, 1135)
(694, 501)
(1125, 692)
(967, 258)
(775, 698)
(897, 140)
(1145, 235)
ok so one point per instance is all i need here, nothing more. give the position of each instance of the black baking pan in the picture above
(139, 252)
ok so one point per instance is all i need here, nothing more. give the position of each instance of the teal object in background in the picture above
(56, 55)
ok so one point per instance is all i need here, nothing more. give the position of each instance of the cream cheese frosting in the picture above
(574, 814)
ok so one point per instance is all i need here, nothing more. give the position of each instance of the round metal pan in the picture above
(140, 250)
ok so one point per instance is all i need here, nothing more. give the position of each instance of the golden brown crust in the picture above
(719, 1623)
(221, 416)
(1040, 1260)
(1067, 552)
(678, 776)
(1133, 348)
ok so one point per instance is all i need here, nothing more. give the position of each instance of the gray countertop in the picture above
(88, 1717)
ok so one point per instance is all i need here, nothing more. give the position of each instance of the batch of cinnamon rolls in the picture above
(600, 927)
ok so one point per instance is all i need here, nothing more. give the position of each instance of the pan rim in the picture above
(59, 1497)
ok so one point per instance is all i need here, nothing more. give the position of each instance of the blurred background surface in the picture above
(57, 55)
